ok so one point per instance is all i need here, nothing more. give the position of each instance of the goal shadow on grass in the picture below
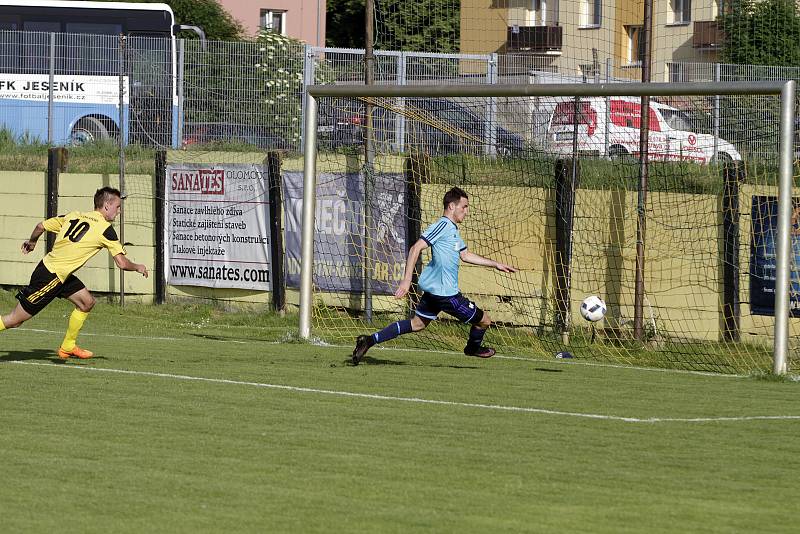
(46, 355)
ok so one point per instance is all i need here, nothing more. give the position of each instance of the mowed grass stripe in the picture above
(113, 454)
(524, 409)
(552, 386)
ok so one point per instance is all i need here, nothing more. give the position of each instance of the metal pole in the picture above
(309, 59)
(784, 244)
(644, 174)
(181, 103)
(121, 139)
(369, 158)
(583, 90)
(607, 116)
(307, 235)
(52, 80)
(400, 121)
(716, 113)
(490, 133)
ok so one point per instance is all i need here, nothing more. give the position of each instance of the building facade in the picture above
(301, 19)
(592, 38)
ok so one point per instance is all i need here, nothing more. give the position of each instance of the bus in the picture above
(63, 63)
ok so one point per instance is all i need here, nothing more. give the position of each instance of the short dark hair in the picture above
(454, 195)
(104, 194)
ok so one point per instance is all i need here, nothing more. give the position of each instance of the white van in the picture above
(610, 127)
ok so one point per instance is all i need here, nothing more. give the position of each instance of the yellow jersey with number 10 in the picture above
(80, 236)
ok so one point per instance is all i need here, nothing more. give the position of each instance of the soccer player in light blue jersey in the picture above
(439, 282)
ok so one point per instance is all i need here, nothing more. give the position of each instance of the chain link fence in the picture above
(69, 89)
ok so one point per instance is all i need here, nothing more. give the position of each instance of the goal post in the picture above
(784, 90)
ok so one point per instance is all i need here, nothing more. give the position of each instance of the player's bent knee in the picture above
(485, 321)
(418, 324)
(86, 305)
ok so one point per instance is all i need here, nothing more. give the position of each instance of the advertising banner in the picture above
(68, 89)
(763, 257)
(339, 254)
(217, 225)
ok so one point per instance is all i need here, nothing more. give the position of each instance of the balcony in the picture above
(707, 35)
(534, 39)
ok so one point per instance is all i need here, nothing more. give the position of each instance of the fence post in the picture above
(56, 160)
(490, 135)
(159, 199)
(417, 172)
(567, 175)
(730, 251)
(123, 132)
(276, 237)
(52, 79)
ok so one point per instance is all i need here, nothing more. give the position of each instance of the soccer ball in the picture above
(593, 308)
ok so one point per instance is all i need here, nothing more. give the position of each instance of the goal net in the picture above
(559, 188)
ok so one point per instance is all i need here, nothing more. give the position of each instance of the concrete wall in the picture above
(22, 203)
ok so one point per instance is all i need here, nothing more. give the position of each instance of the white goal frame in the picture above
(786, 90)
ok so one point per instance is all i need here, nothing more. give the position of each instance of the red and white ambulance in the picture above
(610, 127)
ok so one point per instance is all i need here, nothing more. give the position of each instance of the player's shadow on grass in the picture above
(377, 361)
(369, 360)
(546, 370)
(44, 355)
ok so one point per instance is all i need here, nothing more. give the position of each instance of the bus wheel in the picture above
(89, 130)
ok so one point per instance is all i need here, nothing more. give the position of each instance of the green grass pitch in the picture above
(284, 437)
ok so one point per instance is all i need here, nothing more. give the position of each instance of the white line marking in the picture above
(432, 351)
(501, 407)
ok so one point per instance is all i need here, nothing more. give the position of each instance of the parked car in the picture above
(436, 125)
(225, 132)
(611, 128)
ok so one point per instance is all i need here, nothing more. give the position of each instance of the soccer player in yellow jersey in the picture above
(80, 236)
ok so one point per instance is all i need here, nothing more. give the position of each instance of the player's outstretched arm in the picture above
(30, 243)
(411, 262)
(126, 265)
(476, 259)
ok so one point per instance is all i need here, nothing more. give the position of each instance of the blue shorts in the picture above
(459, 306)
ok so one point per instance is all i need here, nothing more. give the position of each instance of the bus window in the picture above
(94, 28)
(43, 26)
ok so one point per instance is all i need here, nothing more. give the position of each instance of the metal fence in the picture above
(67, 88)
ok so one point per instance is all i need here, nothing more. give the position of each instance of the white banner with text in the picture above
(217, 226)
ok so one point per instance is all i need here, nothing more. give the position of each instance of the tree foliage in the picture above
(761, 32)
(344, 23)
(421, 25)
(209, 15)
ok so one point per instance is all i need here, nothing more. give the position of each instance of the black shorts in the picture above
(44, 287)
(457, 305)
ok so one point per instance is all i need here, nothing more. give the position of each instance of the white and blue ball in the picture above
(593, 308)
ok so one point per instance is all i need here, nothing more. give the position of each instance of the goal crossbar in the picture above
(785, 89)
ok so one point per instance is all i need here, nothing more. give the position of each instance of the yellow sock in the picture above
(2, 326)
(75, 323)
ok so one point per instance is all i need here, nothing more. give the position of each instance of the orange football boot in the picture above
(77, 352)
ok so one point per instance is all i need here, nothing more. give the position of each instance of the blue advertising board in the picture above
(763, 257)
(339, 254)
